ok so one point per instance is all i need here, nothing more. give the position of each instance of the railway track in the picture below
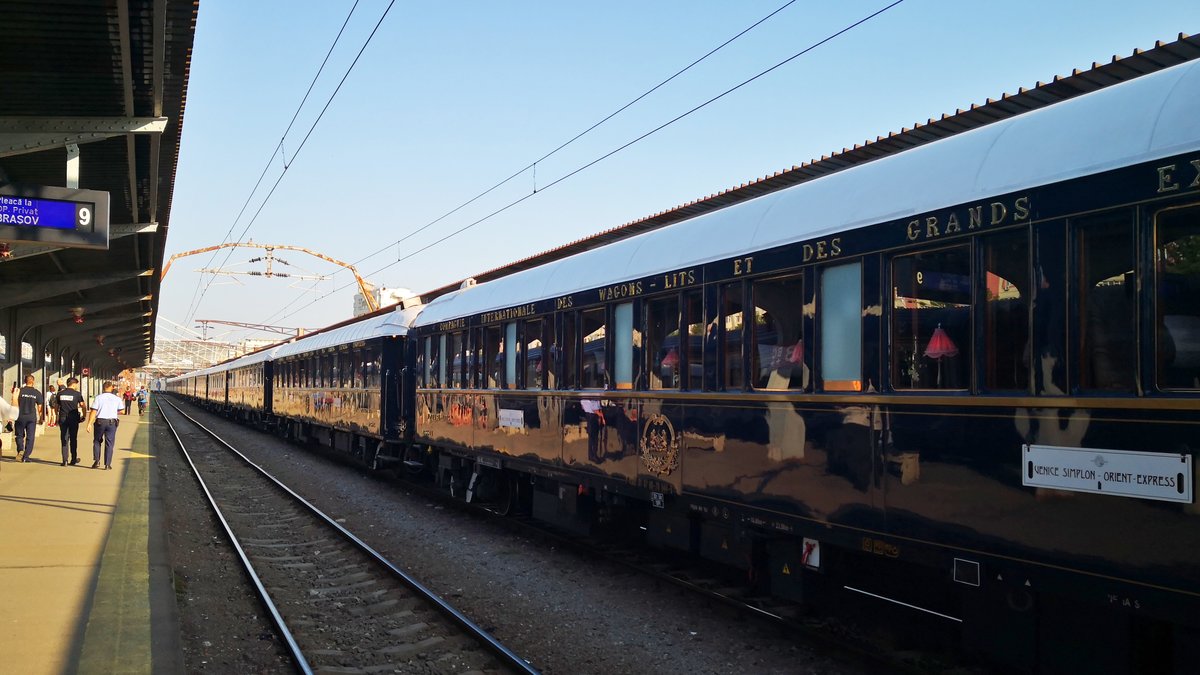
(828, 634)
(339, 606)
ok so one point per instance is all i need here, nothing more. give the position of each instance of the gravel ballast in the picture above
(558, 609)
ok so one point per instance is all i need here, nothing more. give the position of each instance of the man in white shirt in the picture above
(104, 410)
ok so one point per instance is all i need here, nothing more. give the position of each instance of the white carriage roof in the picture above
(265, 354)
(1146, 118)
(393, 323)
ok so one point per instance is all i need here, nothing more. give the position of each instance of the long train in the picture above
(960, 384)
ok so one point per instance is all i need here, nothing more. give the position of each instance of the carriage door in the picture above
(852, 429)
(667, 360)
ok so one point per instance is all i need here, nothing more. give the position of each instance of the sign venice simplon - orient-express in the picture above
(1125, 473)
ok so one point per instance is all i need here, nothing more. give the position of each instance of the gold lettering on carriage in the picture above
(1168, 182)
(620, 291)
(565, 302)
(823, 250)
(975, 217)
(679, 279)
(510, 313)
(456, 324)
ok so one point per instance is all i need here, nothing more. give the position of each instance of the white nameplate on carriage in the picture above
(512, 418)
(1122, 473)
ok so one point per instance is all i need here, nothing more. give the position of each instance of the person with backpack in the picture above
(51, 408)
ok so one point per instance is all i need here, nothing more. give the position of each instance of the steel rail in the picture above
(297, 656)
(676, 574)
(504, 654)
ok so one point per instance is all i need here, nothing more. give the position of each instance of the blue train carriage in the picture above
(216, 388)
(179, 385)
(960, 383)
(343, 388)
(250, 380)
(190, 386)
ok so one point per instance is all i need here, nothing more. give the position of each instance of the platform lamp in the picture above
(940, 346)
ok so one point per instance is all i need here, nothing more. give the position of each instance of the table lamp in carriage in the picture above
(670, 364)
(940, 346)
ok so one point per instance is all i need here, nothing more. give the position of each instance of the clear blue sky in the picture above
(450, 98)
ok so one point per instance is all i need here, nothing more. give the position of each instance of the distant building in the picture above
(383, 297)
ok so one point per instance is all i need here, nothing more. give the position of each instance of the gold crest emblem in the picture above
(660, 447)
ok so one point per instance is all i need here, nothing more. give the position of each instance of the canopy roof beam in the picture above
(23, 135)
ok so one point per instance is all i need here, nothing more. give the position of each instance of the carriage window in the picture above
(457, 359)
(1006, 312)
(570, 351)
(510, 350)
(357, 376)
(431, 358)
(778, 353)
(373, 361)
(693, 349)
(931, 319)
(534, 353)
(841, 328)
(1177, 256)
(732, 323)
(662, 343)
(443, 355)
(493, 357)
(595, 369)
(626, 345)
(423, 363)
(550, 353)
(1106, 301)
(476, 360)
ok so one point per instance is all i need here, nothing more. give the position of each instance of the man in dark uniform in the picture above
(104, 411)
(29, 402)
(70, 403)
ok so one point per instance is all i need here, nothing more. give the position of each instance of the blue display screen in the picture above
(41, 213)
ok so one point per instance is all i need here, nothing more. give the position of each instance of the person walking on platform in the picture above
(8, 415)
(51, 408)
(32, 413)
(128, 398)
(70, 414)
(104, 410)
(142, 397)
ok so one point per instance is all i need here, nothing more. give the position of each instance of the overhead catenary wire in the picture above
(278, 150)
(288, 162)
(610, 153)
(533, 165)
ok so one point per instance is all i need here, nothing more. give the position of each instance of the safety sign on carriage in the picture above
(1122, 473)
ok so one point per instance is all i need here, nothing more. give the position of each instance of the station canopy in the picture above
(93, 98)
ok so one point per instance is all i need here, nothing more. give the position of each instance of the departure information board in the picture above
(59, 216)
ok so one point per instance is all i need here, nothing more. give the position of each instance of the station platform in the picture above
(85, 586)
